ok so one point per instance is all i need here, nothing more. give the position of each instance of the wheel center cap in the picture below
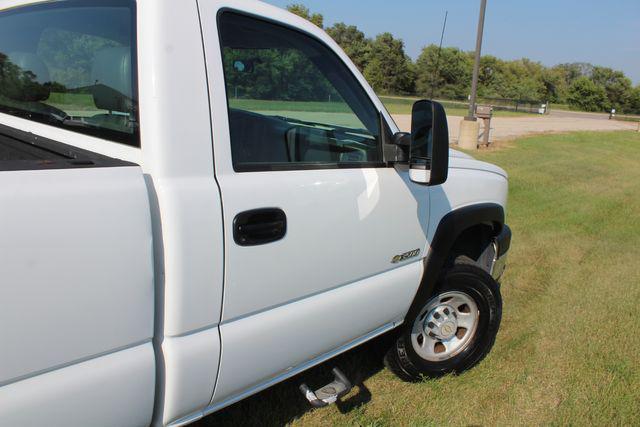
(447, 329)
(441, 322)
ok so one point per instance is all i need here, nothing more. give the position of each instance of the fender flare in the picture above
(449, 229)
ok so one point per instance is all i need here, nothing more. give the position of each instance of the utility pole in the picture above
(469, 126)
(476, 65)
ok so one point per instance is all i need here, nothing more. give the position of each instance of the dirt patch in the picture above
(509, 128)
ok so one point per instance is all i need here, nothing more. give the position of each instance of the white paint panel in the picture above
(111, 391)
(191, 364)
(342, 225)
(76, 266)
(175, 126)
(273, 342)
(177, 152)
(343, 228)
(191, 220)
(467, 186)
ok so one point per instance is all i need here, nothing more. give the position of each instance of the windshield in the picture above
(71, 64)
(292, 101)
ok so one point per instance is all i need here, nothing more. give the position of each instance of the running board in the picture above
(330, 393)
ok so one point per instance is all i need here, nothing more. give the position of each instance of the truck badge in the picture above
(402, 257)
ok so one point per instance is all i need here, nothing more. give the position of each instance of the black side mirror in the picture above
(429, 150)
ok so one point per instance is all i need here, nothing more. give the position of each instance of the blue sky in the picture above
(550, 31)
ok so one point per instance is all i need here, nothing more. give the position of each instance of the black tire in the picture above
(463, 277)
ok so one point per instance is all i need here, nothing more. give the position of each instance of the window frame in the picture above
(293, 166)
(108, 135)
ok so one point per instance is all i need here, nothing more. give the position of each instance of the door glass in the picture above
(292, 102)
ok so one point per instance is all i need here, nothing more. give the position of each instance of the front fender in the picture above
(449, 229)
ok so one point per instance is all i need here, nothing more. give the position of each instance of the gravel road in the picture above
(506, 128)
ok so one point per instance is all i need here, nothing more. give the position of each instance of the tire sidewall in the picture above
(484, 290)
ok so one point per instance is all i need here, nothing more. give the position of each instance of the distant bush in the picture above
(586, 95)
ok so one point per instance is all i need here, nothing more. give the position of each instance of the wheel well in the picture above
(479, 224)
(473, 242)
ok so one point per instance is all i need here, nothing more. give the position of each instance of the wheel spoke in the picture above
(452, 343)
(466, 320)
(457, 300)
(425, 346)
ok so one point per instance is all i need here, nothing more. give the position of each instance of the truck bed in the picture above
(20, 150)
(14, 149)
(76, 286)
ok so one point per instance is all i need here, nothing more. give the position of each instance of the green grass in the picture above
(626, 118)
(268, 105)
(568, 351)
(402, 105)
(395, 105)
(333, 113)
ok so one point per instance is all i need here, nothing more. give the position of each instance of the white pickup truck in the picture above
(199, 199)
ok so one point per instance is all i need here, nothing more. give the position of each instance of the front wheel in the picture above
(454, 329)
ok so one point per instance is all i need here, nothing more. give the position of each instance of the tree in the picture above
(353, 42)
(69, 56)
(617, 86)
(19, 84)
(275, 76)
(389, 69)
(586, 95)
(303, 11)
(490, 76)
(452, 80)
(522, 80)
(555, 84)
(633, 105)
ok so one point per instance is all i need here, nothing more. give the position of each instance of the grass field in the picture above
(626, 118)
(402, 105)
(568, 351)
(394, 104)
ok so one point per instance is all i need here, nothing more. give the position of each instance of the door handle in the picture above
(259, 226)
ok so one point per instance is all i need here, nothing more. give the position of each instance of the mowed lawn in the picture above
(568, 351)
(394, 104)
(403, 105)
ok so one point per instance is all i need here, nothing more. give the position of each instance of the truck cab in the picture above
(201, 199)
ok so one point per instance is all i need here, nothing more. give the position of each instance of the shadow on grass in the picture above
(283, 403)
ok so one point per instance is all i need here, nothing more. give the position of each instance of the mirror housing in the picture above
(429, 149)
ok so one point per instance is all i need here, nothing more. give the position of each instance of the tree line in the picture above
(390, 70)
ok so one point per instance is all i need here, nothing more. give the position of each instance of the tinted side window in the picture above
(292, 102)
(71, 64)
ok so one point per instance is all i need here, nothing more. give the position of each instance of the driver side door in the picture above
(312, 215)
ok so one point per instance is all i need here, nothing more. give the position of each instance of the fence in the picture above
(505, 104)
(521, 105)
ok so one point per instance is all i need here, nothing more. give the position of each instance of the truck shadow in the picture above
(283, 403)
